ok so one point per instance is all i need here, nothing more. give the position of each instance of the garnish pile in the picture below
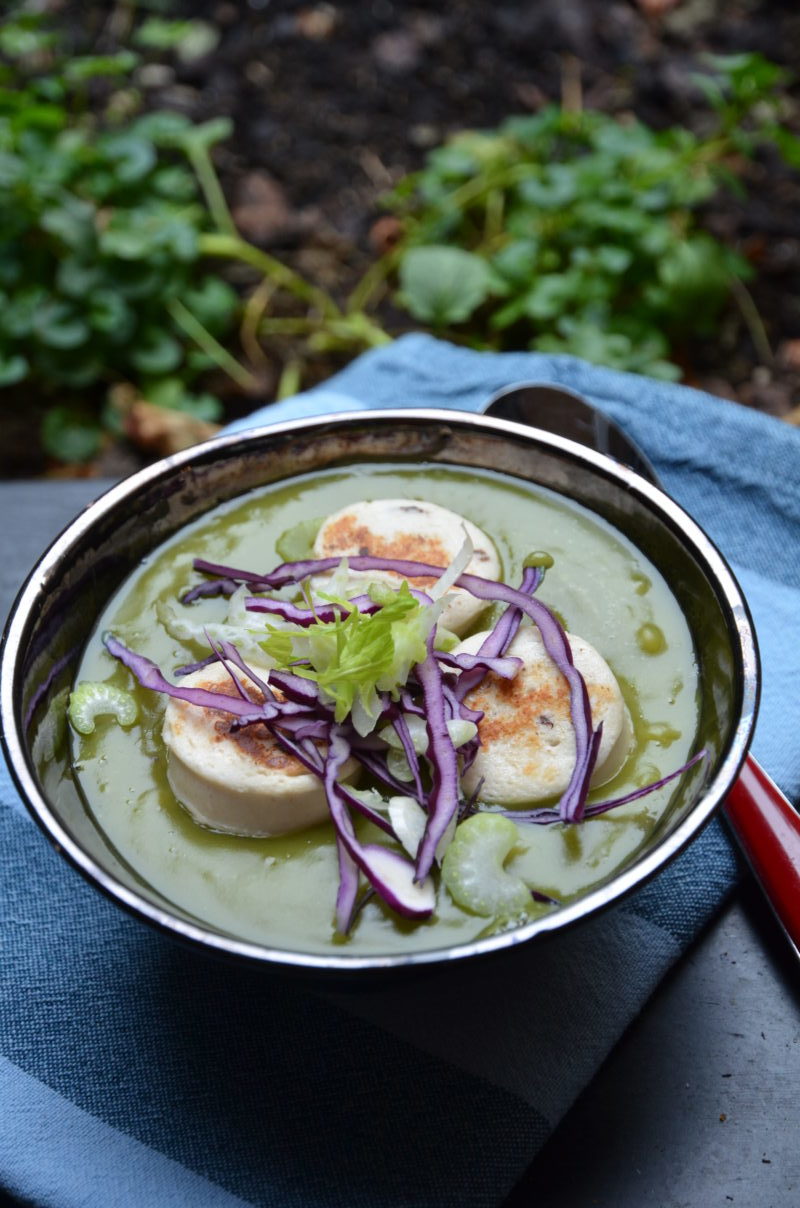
(368, 675)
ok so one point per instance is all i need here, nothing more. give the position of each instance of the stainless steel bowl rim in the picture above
(619, 886)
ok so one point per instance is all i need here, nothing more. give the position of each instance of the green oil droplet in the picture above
(539, 558)
(661, 733)
(642, 583)
(650, 639)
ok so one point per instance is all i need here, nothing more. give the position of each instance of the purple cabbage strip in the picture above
(301, 729)
(149, 676)
(444, 796)
(366, 856)
(489, 657)
(297, 688)
(215, 587)
(190, 668)
(323, 613)
(498, 641)
(367, 811)
(347, 893)
(336, 756)
(547, 815)
(556, 643)
(456, 708)
(403, 733)
(227, 653)
(470, 806)
(378, 770)
(247, 711)
(504, 667)
(366, 896)
(312, 753)
(294, 572)
(467, 752)
(452, 704)
(227, 572)
(409, 705)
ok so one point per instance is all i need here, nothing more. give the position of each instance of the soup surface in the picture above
(281, 892)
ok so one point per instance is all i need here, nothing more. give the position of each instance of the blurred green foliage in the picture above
(565, 231)
(190, 39)
(100, 226)
(579, 233)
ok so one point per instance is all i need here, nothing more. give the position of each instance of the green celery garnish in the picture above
(357, 656)
(473, 867)
(90, 700)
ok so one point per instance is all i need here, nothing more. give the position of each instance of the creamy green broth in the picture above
(281, 892)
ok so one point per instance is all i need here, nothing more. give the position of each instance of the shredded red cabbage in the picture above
(496, 643)
(303, 723)
(291, 723)
(554, 639)
(444, 794)
(307, 616)
(190, 668)
(389, 873)
(149, 676)
(547, 815)
(505, 668)
(404, 734)
(213, 587)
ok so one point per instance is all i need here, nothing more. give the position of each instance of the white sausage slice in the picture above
(416, 531)
(242, 783)
(527, 748)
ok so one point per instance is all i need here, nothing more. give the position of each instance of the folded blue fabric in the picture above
(137, 1073)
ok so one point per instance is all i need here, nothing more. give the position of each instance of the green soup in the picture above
(281, 892)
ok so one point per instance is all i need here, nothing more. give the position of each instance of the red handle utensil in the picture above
(768, 828)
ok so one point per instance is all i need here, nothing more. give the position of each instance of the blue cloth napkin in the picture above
(138, 1073)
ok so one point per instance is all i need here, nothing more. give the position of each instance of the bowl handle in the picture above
(768, 828)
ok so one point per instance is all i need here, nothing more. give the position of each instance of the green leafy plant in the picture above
(100, 243)
(189, 39)
(580, 233)
(567, 232)
(109, 230)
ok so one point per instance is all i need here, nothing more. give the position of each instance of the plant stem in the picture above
(469, 192)
(290, 380)
(203, 338)
(252, 315)
(212, 190)
(753, 321)
(493, 224)
(233, 247)
(372, 335)
(373, 279)
(571, 85)
(347, 329)
(282, 326)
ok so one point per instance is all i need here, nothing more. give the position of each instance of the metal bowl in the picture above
(69, 587)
